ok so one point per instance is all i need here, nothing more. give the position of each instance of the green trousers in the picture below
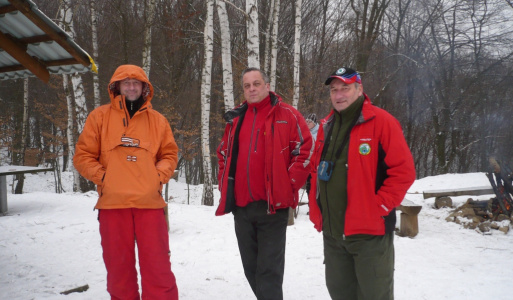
(361, 269)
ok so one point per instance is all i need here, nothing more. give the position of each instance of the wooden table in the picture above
(12, 170)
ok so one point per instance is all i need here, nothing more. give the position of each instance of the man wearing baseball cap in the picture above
(361, 172)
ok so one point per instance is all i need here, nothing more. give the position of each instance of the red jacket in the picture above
(288, 145)
(380, 171)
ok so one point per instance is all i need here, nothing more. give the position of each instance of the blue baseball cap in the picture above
(347, 75)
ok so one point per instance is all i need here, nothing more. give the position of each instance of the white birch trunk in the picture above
(297, 53)
(78, 90)
(94, 33)
(274, 49)
(69, 134)
(24, 127)
(226, 55)
(149, 16)
(206, 83)
(253, 41)
(267, 52)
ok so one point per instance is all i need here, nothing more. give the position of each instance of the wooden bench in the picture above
(472, 191)
(12, 170)
(409, 218)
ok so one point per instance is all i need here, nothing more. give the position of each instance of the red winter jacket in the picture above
(380, 171)
(288, 145)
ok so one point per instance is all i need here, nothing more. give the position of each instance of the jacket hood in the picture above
(134, 72)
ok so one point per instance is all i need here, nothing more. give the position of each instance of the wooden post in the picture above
(291, 217)
(409, 218)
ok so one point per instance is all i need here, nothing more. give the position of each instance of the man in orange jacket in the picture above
(128, 150)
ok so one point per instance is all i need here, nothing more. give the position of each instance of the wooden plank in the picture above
(473, 191)
(11, 170)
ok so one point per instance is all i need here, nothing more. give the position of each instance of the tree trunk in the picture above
(149, 16)
(369, 17)
(267, 53)
(208, 193)
(94, 33)
(78, 91)
(274, 49)
(226, 55)
(253, 41)
(69, 133)
(297, 53)
(24, 127)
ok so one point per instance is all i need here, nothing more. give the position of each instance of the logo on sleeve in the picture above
(364, 149)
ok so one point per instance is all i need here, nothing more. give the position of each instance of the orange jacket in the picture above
(128, 159)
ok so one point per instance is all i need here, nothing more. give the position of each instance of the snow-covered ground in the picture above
(49, 243)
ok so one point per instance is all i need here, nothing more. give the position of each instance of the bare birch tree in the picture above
(267, 52)
(297, 52)
(78, 89)
(69, 132)
(149, 14)
(226, 55)
(206, 85)
(94, 38)
(274, 49)
(253, 40)
(23, 144)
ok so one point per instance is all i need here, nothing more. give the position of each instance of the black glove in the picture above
(307, 185)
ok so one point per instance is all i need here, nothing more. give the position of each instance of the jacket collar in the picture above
(241, 109)
(366, 114)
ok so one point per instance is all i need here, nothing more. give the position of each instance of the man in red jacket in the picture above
(361, 172)
(264, 159)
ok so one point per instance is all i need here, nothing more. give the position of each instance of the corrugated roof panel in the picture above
(20, 26)
(48, 51)
(6, 59)
(16, 75)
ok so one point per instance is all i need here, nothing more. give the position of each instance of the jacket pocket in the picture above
(131, 178)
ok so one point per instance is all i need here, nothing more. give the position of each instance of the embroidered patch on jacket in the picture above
(281, 122)
(129, 142)
(364, 149)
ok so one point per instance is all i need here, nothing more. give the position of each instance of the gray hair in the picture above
(264, 76)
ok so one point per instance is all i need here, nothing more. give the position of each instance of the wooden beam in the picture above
(7, 9)
(36, 39)
(18, 53)
(48, 63)
(24, 7)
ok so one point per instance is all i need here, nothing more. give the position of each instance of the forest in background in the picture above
(443, 68)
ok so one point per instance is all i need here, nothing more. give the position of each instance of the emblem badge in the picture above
(341, 71)
(364, 149)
